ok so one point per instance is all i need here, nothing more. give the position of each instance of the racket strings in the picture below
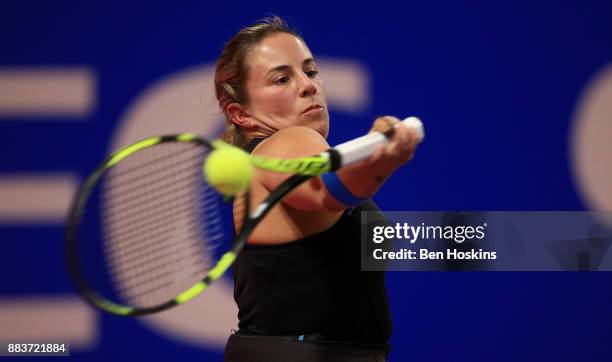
(160, 214)
(214, 230)
(150, 222)
(126, 225)
(148, 212)
(135, 251)
(145, 287)
(178, 263)
(129, 169)
(145, 278)
(139, 204)
(145, 260)
(134, 196)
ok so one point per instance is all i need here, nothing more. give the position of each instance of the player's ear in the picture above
(239, 115)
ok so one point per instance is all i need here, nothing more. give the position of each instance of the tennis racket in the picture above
(145, 231)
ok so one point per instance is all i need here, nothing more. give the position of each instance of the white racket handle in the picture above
(362, 147)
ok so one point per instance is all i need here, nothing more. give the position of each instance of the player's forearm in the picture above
(364, 180)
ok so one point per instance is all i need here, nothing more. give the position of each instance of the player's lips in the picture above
(313, 108)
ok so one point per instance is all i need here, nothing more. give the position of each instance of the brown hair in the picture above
(231, 70)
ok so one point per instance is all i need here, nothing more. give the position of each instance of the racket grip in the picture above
(362, 147)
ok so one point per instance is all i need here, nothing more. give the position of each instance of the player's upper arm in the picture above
(296, 142)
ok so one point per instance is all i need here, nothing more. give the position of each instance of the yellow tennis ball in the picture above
(228, 170)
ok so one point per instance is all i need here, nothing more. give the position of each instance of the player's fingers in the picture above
(384, 124)
(400, 141)
(410, 139)
(403, 144)
(411, 143)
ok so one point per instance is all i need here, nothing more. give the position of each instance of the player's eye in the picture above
(312, 73)
(282, 80)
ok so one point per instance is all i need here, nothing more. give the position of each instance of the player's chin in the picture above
(319, 123)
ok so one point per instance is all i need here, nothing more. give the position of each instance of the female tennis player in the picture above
(298, 285)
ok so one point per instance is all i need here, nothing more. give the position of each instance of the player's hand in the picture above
(400, 149)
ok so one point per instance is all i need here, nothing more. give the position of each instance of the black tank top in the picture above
(313, 286)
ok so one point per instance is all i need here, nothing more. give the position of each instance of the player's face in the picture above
(283, 86)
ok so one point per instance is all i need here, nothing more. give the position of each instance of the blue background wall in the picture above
(497, 85)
